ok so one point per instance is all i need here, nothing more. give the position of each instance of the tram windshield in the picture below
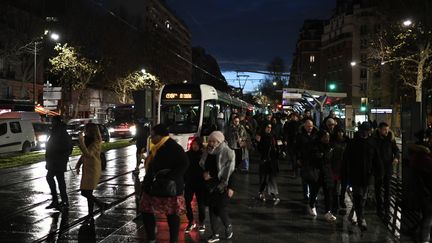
(180, 118)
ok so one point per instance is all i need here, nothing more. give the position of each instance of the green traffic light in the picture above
(332, 86)
(363, 108)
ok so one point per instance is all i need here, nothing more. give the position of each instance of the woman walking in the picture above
(269, 167)
(90, 146)
(167, 160)
(194, 185)
(218, 162)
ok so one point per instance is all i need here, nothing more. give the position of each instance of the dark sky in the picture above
(248, 34)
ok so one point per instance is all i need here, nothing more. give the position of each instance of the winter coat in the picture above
(421, 162)
(235, 136)
(290, 130)
(387, 149)
(320, 161)
(92, 166)
(194, 173)
(304, 143)
(269, 152)
(58, 149)
(362, 161)
(225, 159)
(337, 159)
(169, 156)
(277, 130)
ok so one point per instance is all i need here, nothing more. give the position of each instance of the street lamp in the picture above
(407, 22)
(34, 49)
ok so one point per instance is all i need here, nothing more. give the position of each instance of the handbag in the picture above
(161, 185)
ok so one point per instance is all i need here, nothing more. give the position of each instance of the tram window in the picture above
(209, 117)
(180, 118)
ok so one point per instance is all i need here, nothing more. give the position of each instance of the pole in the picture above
(35, 73)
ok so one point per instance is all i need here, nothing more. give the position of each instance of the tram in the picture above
(192, 110)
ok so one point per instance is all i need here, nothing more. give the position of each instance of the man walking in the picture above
(58, 149)
(389, 153)
(362, 160)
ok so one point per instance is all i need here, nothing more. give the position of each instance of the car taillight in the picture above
(190, 140)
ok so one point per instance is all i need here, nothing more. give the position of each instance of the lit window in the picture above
(312, 59)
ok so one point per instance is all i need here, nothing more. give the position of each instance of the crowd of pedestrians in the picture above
(323, 157)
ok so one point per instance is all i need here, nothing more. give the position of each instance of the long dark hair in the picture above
(92, 134)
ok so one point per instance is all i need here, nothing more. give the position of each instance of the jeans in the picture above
(200, 197)
(360, 194)
(61, 184)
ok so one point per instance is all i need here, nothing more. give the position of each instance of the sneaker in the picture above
(213, 238)
(363, 225)
(262, 197)
(190, 227)
(54, 204)
(276, 201)
(201, 228)
(229, 232)
(330, 217)
(312, 211)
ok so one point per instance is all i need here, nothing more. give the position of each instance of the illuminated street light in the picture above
(314, 74)
(407, 23)
(54, 36)
(353, 63)
(143, 70)
(274, 83)
(185, 81)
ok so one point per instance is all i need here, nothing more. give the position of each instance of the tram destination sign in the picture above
(179, 96)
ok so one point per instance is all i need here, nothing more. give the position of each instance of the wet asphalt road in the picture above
(24, 195)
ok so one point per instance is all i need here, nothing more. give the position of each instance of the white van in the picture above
(16, 135)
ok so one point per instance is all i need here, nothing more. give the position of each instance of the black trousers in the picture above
(380, 186)
(218, 211)
(150, 226)
(91, 200)
(360, 194)
(61, 184)
(328, 196)
(200, 195)
(238, 157)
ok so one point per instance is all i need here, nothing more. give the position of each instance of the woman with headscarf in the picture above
(269, 167)
(90, 146)
(167, 157)
(218, 162)
(194, 185)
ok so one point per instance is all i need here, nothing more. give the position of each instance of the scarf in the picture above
(153, 152)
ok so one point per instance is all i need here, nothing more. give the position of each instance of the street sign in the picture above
(52, 93)
(291, 95)
(50, 104)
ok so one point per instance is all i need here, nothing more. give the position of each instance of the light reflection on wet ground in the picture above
(25, 195)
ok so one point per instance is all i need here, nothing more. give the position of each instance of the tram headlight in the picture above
(111, 130)
(132, 130)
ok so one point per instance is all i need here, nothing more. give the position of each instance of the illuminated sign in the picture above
(181, 96)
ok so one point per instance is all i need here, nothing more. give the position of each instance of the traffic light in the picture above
(332, 86)
(364, 104)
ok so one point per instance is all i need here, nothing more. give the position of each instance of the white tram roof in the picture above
(210, 93)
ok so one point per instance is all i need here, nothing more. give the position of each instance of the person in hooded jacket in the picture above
(321, 174)
(390, 154)
(194, 185)
(362, 162)
(58, 149)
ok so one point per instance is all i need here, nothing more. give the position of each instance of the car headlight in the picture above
(42, 138)
(132, 130)
(111, 130)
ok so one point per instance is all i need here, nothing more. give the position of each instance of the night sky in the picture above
(248, 34)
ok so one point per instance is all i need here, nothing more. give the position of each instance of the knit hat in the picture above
(217, 135)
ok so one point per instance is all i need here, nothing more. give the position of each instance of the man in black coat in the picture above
(58, 149)
(389, 153)
(305, 139)
(363, 162)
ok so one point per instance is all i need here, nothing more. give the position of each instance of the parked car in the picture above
(16, 135)
(75, 129)
(42, 132)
